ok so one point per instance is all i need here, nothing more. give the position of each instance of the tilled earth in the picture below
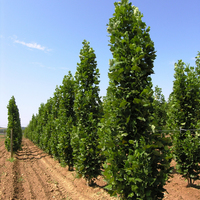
(35, 175)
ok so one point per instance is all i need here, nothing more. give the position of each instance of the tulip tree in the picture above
(160, 109)
(47, 126)
(87, 107)
(14, 124)
(66, 119)
(137, 161)
(184, 114)
(55, 123)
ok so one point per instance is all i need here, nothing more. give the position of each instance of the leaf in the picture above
(108, 187)
(123, 103)
(136, 68)
(124, 141)
(136, 100)
(127, 119)
(141, 118)
(131, 141)
(138, 49)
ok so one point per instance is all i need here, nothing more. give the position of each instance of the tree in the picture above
(136, 165)
(184, 115)
(47, 122)
(14, 124)
(160, 109)
(55, 123)
(66, 119)
(87, 107)
(29, 130)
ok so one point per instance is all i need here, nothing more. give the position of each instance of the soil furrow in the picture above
(66, 183)
(33, 178)
(6, 183)
(2, 153)
(1, 144)
(63, 184)
(28, 178)
(51, 184)
(17, 183)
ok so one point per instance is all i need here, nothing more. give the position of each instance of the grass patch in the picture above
(11, 159)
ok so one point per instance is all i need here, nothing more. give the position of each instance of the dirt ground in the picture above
(35, 175)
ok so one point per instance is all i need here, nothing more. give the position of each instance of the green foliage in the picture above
(184, 100)
(55, 123)
(47, 119)
(187, 154)
(137, 159)
(14, 124)
(184, 113)
(87, 107)
(160, 109)
(66, 120)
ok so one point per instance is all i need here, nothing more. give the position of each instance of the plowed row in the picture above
(35, 175)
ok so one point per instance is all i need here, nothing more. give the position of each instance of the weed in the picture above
(11, 159)
(20, 179)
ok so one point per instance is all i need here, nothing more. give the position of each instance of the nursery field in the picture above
(35, 175)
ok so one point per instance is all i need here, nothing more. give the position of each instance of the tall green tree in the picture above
(46, 116)
(87, 107)
(55, 123)
(14, 124)
(136, 165)
(184, 109)
(160, 109)
(66, 119)
(29, 130)
(40, 126)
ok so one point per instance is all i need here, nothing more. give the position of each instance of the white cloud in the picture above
(33, 45)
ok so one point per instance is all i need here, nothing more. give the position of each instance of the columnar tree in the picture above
(14, 124)
(136, 158)
(40, 125)
(160, 109)
(55, 122)
(47, 126)
(184, 110)
(87, 107)
(29, 130)
(66, 119)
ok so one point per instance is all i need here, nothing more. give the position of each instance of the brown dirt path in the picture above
(35, 175)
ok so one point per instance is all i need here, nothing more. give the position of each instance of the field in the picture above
(35, 175)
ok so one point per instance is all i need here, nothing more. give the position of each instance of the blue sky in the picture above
(40, 42)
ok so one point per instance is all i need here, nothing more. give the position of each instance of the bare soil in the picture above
(35, 175)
